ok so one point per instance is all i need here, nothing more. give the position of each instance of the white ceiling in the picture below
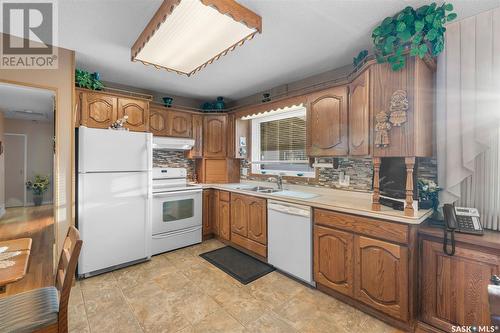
(300, 38)
(19, 102)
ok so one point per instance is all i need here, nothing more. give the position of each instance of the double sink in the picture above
(272, 191)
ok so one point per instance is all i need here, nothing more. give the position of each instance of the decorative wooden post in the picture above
(376, 185)
(410, 164)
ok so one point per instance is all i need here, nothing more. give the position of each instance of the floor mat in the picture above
(239, 265)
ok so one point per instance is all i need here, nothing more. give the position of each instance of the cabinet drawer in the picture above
(224, 196)
(249, 244)
(376, 228)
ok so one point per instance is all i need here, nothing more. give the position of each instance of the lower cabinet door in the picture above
(257, 219)
(333, 261)
(381, 276)
(239, 215)
(208, 209)
(454, 289)
(224, 220)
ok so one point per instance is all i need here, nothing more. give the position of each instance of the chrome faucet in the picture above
(279, 181)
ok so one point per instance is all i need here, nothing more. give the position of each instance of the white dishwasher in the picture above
(289, 229)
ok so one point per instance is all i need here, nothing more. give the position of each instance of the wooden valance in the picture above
(265, 107)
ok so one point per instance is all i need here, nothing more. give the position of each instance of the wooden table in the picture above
(18, 270)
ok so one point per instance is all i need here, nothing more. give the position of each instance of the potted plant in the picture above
(84, 79)
(417, 31)
(428, 192)
(39, 185)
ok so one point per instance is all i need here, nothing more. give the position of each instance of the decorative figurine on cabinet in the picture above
(398, 108)
(382, 129)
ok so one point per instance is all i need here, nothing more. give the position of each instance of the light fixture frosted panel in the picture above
(191, 36)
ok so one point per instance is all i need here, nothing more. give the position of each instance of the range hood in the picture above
(172, 143)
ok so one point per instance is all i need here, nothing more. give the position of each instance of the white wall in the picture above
(40, 150)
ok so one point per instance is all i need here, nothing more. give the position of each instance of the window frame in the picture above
(256, 162)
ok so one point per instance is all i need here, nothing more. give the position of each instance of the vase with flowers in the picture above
(38, 186)
(428, 192)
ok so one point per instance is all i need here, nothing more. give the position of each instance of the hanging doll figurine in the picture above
(398, 108)
(382, 128)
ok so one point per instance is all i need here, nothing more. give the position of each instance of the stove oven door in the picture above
(178, 210)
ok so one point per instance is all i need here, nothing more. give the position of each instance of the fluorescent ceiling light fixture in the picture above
(185, 36)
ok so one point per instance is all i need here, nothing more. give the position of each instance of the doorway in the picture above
(27, 153)
(15, 169)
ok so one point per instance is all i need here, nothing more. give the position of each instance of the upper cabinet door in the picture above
(158, 122)
(327, 122)
(257, 219)
(180, 124)
(98, 110)
(381, 276)
(197, 150)
(359, 115)
(137, 112)
(214, 136)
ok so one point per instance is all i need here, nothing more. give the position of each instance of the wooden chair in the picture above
(494, 297)
(44, 309)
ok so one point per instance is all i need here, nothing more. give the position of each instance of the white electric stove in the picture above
(177, 210)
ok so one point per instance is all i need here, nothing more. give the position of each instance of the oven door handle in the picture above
(166, 194)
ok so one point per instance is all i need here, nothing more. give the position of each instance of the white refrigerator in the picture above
(114, 198)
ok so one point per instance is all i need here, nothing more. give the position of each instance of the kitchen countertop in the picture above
(352, 202)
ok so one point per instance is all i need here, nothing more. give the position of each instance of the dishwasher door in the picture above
(290, 239)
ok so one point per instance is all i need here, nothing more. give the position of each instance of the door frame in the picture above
(25, 164)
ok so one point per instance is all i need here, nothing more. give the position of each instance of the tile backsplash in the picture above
(173, 159)
(360, 171)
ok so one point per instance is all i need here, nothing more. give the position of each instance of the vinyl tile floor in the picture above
(181, 292)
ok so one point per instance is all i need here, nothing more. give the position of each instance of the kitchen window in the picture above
(279, 144)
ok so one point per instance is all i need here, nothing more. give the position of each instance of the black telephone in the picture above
(460, 219)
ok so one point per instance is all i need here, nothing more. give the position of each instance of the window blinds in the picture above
(283, 139)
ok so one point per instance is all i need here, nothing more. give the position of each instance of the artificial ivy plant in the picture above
(84, 79)
(421, 31)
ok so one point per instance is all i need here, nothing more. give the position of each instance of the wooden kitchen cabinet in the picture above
(239, 215)
(257, 219)
(220, 170)
(98, 110)
(171, 123)
(454, 289)
(333, 259)
(180, 124)
(197, 124)
(249, 223)
(137, 111)
(359, 115)
(209, 213)
(214, 136)
(158, 121)
(224, 215)
(414, 136)
(327, 122)
(369, 263)
(381, 275)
